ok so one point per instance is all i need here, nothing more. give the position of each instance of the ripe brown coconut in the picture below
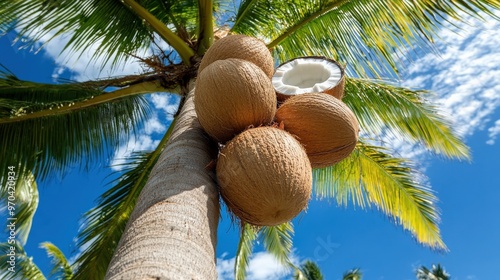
(231, 95)
(326, 127)
(264, 175)
(308, 75)
(243, 47)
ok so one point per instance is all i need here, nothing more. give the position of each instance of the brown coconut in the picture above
(326, 127)
(264, 175)
(231, 95)
(309, 74)
(243, 47)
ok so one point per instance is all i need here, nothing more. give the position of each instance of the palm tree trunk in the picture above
(172, 232)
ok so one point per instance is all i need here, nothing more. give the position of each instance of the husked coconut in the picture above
(326, 127)
(231, 95)
(243, 47)
(309, 75)
(264, 175)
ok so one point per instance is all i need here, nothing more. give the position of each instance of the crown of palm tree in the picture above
(44, 128)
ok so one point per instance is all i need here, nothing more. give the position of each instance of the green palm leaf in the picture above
(362, 34)
(25, 268)
(308, 271)
(62, 268)
(98, 22)
(371, 177)
(353, 274)
(378, 105)
(54, 143)
(245, 246)
(105, 223)
(278, 241)
(24, 201)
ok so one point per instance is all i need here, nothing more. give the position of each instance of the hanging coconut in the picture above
(264, 175)
(231, 95)
(326, 127)
(307, 75)
(243, 47)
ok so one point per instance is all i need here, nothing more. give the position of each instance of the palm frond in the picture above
(371, 177)
(379, 105)
(20, 203)
(61, 267)
(362, 34)
(46, 145)
(278, 242)
(105, 223)
(115, 29)
(245, 247)
(309, 271)
(353, 274)
(24, 267)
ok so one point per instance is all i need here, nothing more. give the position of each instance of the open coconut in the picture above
(326, 127)
(308, 75)
(243, 47)
(231, 95)
(264, 175)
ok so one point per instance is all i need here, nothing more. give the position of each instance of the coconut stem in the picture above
(185, 52)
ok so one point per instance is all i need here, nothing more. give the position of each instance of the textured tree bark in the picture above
(172, 232)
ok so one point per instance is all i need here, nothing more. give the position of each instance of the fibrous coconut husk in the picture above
(231, 95)
(313, 74)
(243, 47)
(264, 175)
(326, 127)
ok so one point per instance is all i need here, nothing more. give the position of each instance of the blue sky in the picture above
(465, 77)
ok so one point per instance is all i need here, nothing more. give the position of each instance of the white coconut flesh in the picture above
(306, 75)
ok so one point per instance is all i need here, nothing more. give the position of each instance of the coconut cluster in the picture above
(264, 170)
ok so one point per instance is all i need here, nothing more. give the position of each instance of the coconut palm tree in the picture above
(309, 270)
(436, 273)
(159, 219)
(353, 274)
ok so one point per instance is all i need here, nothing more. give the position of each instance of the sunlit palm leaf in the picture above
(378, 105)
(247, 237)
(353, 274)
(105, 223)
(308, 271)
(114, 28)
(371, 177)
(24, 200)
(25, 268)
(362, 33)
(55, 143)
(278, 241)
(61, 267)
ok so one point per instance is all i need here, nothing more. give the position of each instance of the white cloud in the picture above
(86, 66)
(153, 125)
(167, 103)
(464, 73)
(262, 266)
(493, 132)
(143, 142)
